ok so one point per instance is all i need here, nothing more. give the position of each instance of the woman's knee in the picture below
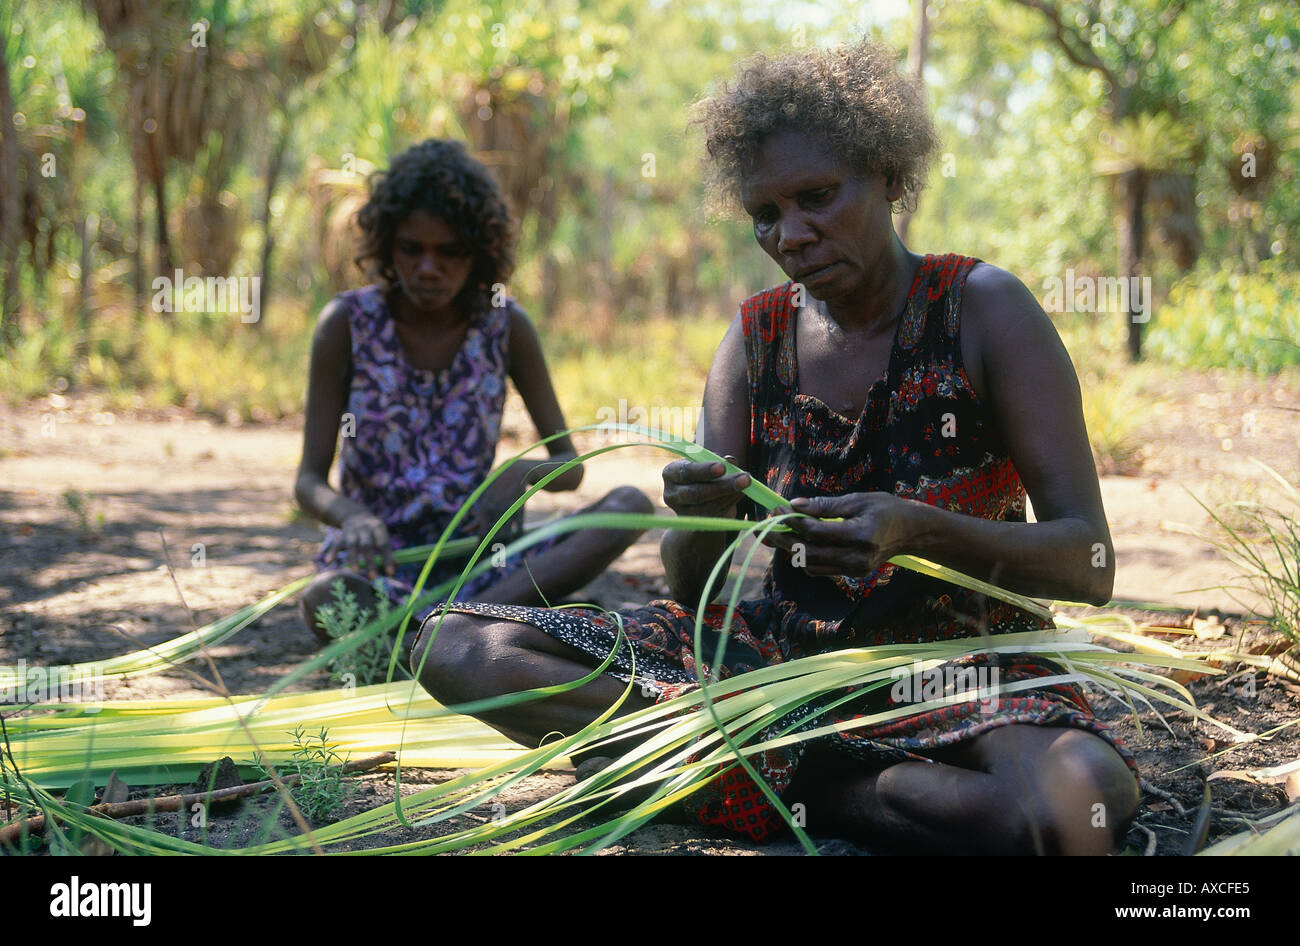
(1086, 796)
(1056, 791)
(444, 651)
(320, 592)
(321, 589)
(626, 499)
(469, 657)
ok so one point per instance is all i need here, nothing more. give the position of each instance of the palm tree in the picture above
(10, 199)
(1138, 157)
(168, 80)
(1144, 155)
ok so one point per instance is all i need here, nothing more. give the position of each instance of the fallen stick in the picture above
(1167, 796)
(142, 806)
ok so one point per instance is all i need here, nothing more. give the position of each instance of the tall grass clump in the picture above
(1111, 414)
(36, 361)
(152, 360)
(1261, 538)
(1111, 386)
(657, 363)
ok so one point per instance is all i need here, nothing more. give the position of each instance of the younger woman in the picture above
(413, 370)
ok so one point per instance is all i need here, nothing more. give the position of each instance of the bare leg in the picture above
(473, 658)
(1018, 789)
(574, 561)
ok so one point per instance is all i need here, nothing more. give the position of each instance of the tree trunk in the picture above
(547, 212)
(11, 209)
(273, 169)
(1132, 246)
(916, 69)
(605, 292)
(164, 267)
(87, 233)
(137, 249)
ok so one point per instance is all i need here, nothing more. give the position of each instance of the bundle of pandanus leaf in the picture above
(681, 744)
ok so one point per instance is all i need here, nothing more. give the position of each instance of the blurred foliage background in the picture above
(233, 137)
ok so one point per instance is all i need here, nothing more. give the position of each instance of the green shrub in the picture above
(1219, 319)
(344, 615)
(320, 789)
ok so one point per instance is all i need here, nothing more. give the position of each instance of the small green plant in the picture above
(78, 504)
(344, 615)
(320, 789)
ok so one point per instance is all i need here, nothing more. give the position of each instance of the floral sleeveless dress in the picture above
(416, 443)
(924, 435)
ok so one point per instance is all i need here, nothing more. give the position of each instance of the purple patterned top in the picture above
(421, 441)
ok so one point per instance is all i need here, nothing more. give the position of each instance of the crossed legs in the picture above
(1017, 789)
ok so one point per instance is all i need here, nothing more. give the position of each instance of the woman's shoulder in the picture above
(773, 298)
(514, 314)
(993, 298)
(369, 299)
(346, 306)
(1003, 324)
(499, 322)
(350, 329)
(515, 329)
(968, 296)
(984, 279)
(766, 314)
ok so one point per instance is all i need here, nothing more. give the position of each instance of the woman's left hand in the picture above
(875, 527)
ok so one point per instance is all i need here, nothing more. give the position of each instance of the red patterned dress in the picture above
(923, 434)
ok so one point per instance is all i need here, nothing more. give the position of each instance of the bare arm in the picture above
(1033, 392)
(331, 356)
(532, 379)
(700, 490)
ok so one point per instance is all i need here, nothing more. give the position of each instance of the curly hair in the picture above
(441, 178)
(873, 117)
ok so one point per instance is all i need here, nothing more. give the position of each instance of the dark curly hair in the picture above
(442, 179)
(873, 117)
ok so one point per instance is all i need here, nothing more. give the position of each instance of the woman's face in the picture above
(431, 260)
(825, 227)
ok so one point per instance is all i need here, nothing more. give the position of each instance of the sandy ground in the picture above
(88, 498)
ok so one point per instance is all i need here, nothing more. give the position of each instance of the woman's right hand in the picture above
(365, 539)
(703, 489)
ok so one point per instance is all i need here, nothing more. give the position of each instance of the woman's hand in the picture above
(874, 528)
(703, 489)
(365, 539)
